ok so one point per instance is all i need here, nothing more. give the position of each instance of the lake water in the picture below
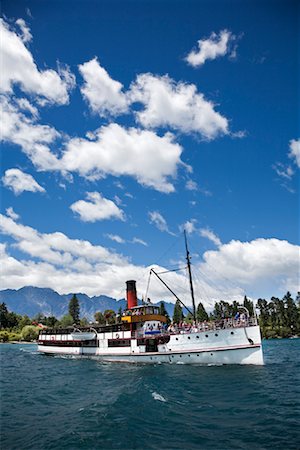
(62, 403)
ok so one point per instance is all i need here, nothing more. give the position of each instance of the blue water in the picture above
(62, 403)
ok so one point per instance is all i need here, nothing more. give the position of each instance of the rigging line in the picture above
(222, 276)
(171, 270)
(147, 288)
(173, 243)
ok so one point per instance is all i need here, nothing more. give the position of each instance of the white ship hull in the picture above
(227, 346)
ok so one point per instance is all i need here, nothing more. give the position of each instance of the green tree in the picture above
(164, 312)
(201, 314)
(84, 322)
(66, 321)
(99, 317)
(110, 316)
(30, 333)
(178, 313)
(74, 309)
(25, 320)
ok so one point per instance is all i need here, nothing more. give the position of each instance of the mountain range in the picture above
(33, 300)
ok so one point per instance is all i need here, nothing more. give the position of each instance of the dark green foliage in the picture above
(110, 316)
(7, 319)
(201, 313)
(74, 309)
(99, 317)
(178, 314)
(249, 305)
(163, 312)
(279, 318)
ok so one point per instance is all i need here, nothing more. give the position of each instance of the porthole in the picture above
(206, 335)
(197, 355)
(197, 337)
(211, 354)
(172, 356)
(150, 357)
(216, 334)
(189, 337)
(232, 332)
(189, 356)
(176, 339)
(180, 356)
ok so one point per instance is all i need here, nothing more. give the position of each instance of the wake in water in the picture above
(158, 397)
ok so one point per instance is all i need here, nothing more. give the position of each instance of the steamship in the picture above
(141, 335)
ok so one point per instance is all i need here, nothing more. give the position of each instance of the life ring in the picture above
(117, 336)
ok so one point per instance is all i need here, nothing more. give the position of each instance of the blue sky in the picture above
(126, 121)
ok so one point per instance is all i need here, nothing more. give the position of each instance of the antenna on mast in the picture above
(188, 259)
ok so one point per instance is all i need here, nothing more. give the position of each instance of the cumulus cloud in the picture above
(262, 267)
(103, 94)
(96, 208)
(176, 105)
(19, 181)
(209, 234)
(20, 129)
(215, 46)
(18, 67)
(295, 151)
(118, 151)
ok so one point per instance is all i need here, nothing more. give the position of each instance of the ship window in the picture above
(206, 335)
(232, 332)
(118, 343)
(176, 339)
(180, 356)
(216, 334)
(189, 337)
(197, 354)
(211, 354)
(189, 356)
(197, 337)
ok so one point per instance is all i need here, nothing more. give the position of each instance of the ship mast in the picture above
(188, 259)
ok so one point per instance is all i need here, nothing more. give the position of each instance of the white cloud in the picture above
(19, 181)
(26, 35)
(295, 151)
(103, 94)
(136, 240)
(117, 151)
(209, 234)
(215, 46)
(116, 238)
(191, 185)
(159, 221)
(262, 267)
(283, 171)
(96, 208)
(176, 105)
(18, 67)
(34, 139)
(189, 226)
(12, 214)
